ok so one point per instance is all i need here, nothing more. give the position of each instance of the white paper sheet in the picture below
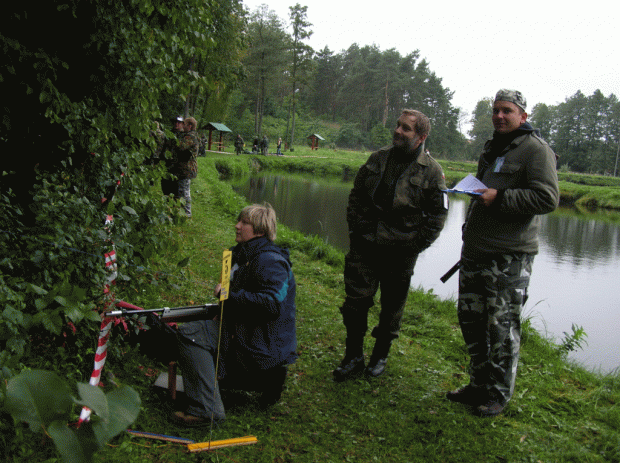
(468, 186)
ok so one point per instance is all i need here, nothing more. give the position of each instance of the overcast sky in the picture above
(546, 49)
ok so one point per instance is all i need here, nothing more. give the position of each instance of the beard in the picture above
(407, 145)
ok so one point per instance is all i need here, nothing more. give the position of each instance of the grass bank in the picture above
(580, 190)
(559, 412)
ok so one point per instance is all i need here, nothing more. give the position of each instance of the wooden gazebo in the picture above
(218, 127)
(314, 140)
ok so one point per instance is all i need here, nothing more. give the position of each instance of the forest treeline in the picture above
(352, 98)
(583, 130)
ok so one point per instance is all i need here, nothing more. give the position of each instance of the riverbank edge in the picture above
(582, 191)
(559, 412)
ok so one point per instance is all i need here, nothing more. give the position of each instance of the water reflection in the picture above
(579, 240)
(574, 278)
(314, 207)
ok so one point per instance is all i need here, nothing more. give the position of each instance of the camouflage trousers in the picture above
(491, 294)
(184, 193)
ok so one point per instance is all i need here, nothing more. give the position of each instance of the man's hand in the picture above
(216, 291)
(488, 196)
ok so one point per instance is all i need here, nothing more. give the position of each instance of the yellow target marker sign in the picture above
(225, 281)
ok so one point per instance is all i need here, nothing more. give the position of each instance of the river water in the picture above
(575, 275)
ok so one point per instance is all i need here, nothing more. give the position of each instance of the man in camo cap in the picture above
(500, 239)
(512, 96)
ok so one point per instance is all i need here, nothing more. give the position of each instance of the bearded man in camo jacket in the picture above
(500, 239)
(397, 208)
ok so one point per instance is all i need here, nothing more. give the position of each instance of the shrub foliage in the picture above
(85, 78)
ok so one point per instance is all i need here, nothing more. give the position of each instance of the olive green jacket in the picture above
(419, 207)
(526, 177)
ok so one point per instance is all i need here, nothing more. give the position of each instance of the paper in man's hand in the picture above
(468, 186)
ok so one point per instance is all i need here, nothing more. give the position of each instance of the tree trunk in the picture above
(190, 96)
(258, 115)
(292, 110)
(293, 125)
(288, 123)
(385, 109)
(261, 107)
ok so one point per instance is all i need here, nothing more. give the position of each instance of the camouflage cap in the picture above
(513, 96)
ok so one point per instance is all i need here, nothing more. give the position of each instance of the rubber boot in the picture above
(378, 359)
(353, 363)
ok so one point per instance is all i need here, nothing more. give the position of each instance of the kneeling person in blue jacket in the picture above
(258, 337)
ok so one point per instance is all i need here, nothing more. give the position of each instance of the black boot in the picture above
(349, 368)
(376, 367)
(353, 362)
(355, 318)
(469, 395)
(378, 359)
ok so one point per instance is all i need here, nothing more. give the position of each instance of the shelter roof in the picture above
(216, 126)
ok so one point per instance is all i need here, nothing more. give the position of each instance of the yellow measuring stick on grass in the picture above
(218, 444)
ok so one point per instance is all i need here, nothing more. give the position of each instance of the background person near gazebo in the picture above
(238, 144)
(264, 145)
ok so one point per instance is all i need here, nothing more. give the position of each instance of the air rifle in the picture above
(173, 314)
(451, 272)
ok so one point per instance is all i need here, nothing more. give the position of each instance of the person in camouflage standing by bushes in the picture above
(500, 239)
(185, 165)
(160, 138)
(170, 184)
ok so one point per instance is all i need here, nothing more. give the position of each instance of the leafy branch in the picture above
(45, 401)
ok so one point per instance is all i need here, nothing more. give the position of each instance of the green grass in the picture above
(591, 197)
(559, 412)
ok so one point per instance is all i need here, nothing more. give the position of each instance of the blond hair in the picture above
(262, 217)
(191, 122)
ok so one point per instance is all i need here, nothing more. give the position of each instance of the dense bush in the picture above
(350, 136)
(380, 136)
(85, 79)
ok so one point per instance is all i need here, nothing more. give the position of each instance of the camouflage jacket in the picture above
(184, 164)
(418, 210)
(160, 138)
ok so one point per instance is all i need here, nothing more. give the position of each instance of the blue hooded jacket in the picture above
(258, 330)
